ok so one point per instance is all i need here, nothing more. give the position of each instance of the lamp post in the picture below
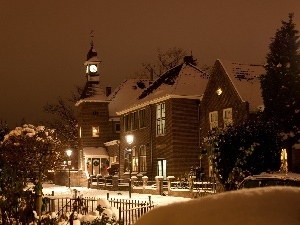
(129, 140)
(69, 153)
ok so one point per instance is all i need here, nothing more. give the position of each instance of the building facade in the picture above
(232, 96)
(169, 117)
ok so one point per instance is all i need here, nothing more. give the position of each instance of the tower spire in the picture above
(92, 52)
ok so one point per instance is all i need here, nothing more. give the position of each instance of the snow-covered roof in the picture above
(128, 90)
(182, 81)
(95, 152)
(93, 92)
(245, 79)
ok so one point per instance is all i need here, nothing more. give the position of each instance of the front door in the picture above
(162, 168)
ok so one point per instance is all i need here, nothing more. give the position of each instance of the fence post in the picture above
(159, 184)
(170, 179)
(115, 182)
(145, 180)
(52, 203)
(134, 179)
(120, 220)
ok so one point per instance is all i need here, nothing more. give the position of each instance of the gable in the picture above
(245, 79)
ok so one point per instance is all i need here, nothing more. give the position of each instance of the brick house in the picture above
(164, 120)
(232, 95)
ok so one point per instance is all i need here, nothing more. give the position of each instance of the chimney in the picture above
(151, 74)
(108, 91)
(190, 59)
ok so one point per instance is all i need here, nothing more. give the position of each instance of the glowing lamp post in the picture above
(129, 140)
(69, 153)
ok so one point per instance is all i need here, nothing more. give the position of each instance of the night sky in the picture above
(44, 43)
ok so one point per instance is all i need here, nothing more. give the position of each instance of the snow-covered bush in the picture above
(24, 151)
(105, 214)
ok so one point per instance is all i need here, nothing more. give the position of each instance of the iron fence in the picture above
(129, 210)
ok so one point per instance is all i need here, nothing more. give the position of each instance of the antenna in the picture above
(92, 36)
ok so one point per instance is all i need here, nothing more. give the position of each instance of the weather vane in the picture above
(92, 36)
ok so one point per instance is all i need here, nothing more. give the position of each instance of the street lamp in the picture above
(129, 140)
(69, 153)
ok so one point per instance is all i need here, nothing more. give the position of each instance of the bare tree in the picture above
(65, 121)
(165, 61)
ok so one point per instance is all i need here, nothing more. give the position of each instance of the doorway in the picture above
(162, 168)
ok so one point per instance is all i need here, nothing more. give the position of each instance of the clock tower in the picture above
(92, 65)
(93, 119)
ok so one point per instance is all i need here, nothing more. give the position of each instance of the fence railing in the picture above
(129, 210)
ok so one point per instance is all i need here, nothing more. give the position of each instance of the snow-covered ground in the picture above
(63, 191)
(267, 205)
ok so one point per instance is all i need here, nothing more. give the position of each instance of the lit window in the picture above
(127, 160)
(95, 131)
(142, 118)
(143, 163)
(227, 117)
(219, 91)
(135, 160)
(160, 119)
(213, 119)
(113, 160)
(79, 132)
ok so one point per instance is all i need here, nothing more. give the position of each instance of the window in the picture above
(79, 132)
(113, 160)
(95, 131)
(126, 122)
(143, 163)
(117, 128)
(95, 113)
(160, 119)
(142, 118)
(227, 117)
(126, 161)
(213, 119)
(134, 121)
(135, 160)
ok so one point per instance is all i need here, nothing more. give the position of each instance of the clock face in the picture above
(93, 68)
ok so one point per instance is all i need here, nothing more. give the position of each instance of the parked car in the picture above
(271, 179)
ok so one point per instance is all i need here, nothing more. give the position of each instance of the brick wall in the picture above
(179, 146)
(93, 114)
